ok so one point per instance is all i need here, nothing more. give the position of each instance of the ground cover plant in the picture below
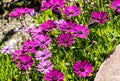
(68, 42)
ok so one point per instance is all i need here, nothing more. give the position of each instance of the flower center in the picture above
(56, 5)
(54, 78)
(68, 27)
(43, 55)
(71, 12)
(80, 32)
(39, 33)
(65, 41)
(30, 47)
(82, 69)
(42, 42)
(100, 19)
(45, 67)
(49, 27)
(118, 7)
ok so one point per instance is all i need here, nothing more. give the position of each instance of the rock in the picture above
(6, 1)
(11, 29)
(110, 69)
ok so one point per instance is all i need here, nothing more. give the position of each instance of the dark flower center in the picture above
(82, 69)
(7, 49)
(54, 78)
(25, 63)
(56, 5)
(45, 67)
(42, 42)
(43, 55)
(80, 32)
(68, 27)
(49, 27)
(100, 19)
(39, 33)
(30, 47)
(65, 41)
(71, 12)
(118, 7)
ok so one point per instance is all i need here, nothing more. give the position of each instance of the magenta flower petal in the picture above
(29, 46)
(52, 4)
(19, 12)
(25, 62)
(54, 75)
(100, 17)
(81, 31)
(71, 11)
(67, 26)
(45, 66)
(7, 49)
(32, 12)
(48, 25)
(17, 54)
(37, 32)
(83, 68)
(43, 55)
(45, 5)
(59, 22)
(116, 5)
(42, 41)
(65, 39)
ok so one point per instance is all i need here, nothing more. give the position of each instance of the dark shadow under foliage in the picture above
(7, 36)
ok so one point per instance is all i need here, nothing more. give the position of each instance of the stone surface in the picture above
(110, 69)
(12, 23)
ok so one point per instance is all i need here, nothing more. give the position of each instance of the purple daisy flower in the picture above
(67, 26)
(51, 4)
(71, 11)
(7, 49)
(100, 17)
(83, 68)
(42, 41)
(25, 62)
(29, 46)
(45, 5)
(81, 31)
(37, 32)
(116, 5)
(65, 39)
(59, 22)
(19, 12)
(48, 25)
(43, 55)
(54, 75)
(17, 54)
(45, 66)
(57, 3)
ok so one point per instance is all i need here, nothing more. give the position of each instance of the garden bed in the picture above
(66, 41)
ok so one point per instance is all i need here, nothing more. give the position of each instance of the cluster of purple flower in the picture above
(41, 38)
(25, 60)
